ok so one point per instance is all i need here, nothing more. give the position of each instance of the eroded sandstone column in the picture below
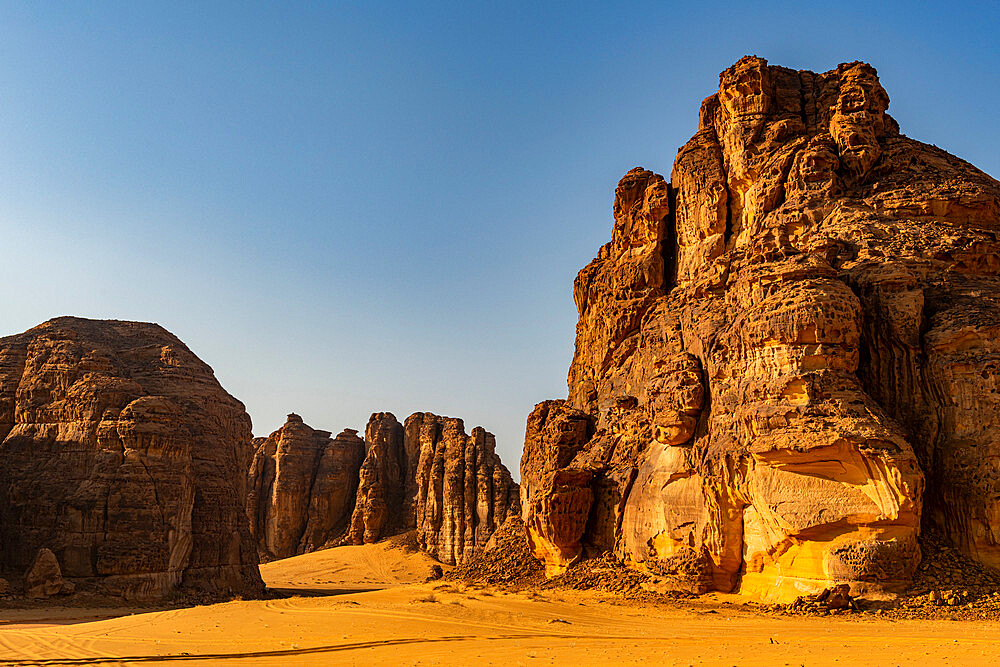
(464, 492)
(302, 488)
(382, 483)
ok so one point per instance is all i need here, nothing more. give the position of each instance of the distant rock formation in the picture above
(301, 488)
(463, 491)
(778, 349)
(379, 511)
(122, 454)
(427, 476)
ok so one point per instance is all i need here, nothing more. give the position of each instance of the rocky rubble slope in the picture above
(307, 491)
(122, 463)
(787, 356)
(505, 561)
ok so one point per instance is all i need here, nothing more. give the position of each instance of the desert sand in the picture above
(349, 569)
(395, 618)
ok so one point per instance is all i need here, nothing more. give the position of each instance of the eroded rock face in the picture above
(301, 488)
(44, 578)
(555, 498)
(463, 491)
(781, 349)
(123, 455)
(307, 491)
(379, 511)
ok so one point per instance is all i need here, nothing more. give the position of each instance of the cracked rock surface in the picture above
(464, 493)
(301, 488)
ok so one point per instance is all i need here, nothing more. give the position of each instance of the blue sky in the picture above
(348, 208)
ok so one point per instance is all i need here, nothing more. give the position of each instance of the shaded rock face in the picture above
(301, 488)
(306, 491)
(44, 578)
(788, 355)
(123, 455)
(382, 487)
(463, 491)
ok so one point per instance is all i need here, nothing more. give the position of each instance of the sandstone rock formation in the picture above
(785, 357)
(121, 453)
(379, 511)
(431, 476)
(555, 497)
(307, 491)
(301, 488)
(463, 491)
(44, 577)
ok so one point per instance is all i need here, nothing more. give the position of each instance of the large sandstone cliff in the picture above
(786, 357)
(122, 454)
(306, 491)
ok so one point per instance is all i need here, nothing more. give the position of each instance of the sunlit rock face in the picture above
(787, 357)
(463, 492)
(555, 498)
(122, 455)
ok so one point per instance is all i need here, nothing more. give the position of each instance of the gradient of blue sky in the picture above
(346, 208)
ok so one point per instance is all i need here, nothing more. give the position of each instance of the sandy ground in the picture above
(348, 569)
(403, 623)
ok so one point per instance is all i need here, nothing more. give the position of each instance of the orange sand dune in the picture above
(445, 624)
(350, 568)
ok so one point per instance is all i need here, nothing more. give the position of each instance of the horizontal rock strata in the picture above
(786, 356)
(122, 455)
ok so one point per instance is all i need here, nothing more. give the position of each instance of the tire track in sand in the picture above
(316, 650)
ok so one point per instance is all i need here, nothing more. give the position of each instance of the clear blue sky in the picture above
(346, 208)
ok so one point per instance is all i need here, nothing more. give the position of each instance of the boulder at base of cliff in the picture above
(44, 577)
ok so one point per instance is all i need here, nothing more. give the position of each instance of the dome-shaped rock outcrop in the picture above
(122, 454)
